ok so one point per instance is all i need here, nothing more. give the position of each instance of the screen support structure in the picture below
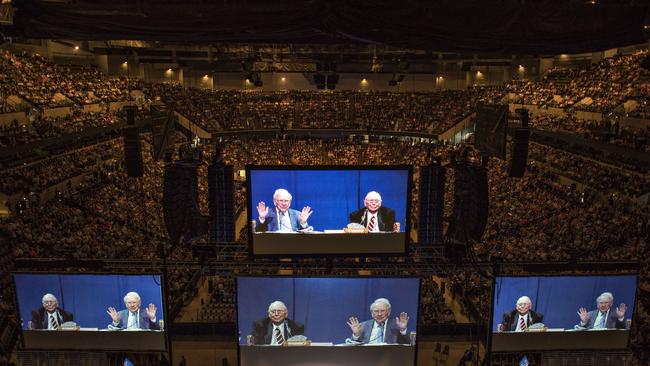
(164, 250)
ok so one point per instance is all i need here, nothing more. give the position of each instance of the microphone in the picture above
(363, 217)
(382, 334)
(282, 224)
(286, 325)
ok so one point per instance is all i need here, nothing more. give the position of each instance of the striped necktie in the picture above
(371, 224)
(53, 322)
(522, 324)
(279, 338)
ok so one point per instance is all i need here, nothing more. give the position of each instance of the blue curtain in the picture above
(323, 305)
(332, 194)
(87, 297)
(559, 298)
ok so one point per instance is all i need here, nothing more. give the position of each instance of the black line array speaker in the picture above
(519, 152)
(180, 202)
(319, 80)
(332, 80)
(470, 213)
(432, 196)
(519, 146)
(132, 147)
(221, 198)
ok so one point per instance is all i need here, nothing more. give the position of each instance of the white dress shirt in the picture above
(51, 316)
(374, 335)
(519, 317)
(369, 217)
(598, 323)
(132, 322)
(281, 327)
(284, 224)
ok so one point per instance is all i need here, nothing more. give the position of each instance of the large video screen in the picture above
(328, 210)
(562, 312)
(327, 319)
(91, 311)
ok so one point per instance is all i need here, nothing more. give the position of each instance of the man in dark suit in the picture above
(521, 318)
(275, 329)
(50, 316)
(380, 329)
(375, 217)
(132, 317)
(281, 217)
(603, 317)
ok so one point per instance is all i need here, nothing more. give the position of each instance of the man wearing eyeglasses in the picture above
(133, 318)
(50, 316)
(275, 329)
(281, 218)
(374, 216)
(522, 317)
(381, 328)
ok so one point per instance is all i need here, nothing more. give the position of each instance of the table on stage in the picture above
(559, 339)
(328, 243)
(92, 340)
(327, 355)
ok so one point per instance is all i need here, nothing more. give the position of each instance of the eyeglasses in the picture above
(49, 302)
(374, 201)
(280, 311)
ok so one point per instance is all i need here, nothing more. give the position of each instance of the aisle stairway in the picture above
(190, 313)
(454, 305)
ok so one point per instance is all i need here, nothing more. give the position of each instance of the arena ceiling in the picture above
(489, 26)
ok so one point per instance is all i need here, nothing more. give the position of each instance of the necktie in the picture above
(279, 338)
(285, 223)
(371, 224)
(603, 317)
(380, 333)
(522, 324)
(53, 322)
(133, 323)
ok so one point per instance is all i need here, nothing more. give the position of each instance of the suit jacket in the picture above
(611, 322)
(263, 330)
(385, 218)
(40, 319)
(510, 319)
(144, 322)
(393, 336)
(271, 223)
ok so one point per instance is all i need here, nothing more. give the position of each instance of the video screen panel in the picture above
(327, 319)
(91, 311)
(562, 312)
(328, 210)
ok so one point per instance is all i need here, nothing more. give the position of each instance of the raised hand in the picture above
(396, 227)
(620, 310)
(151, 311)
(304, 214)
(355, 326)
(500, 328)
(262, 210)
(402, 321)
(113, 314)
(584, 315)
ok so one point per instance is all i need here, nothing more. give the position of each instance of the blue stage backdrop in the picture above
(87, 297)
(558, 298)
(332, 194)
(324, 305)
